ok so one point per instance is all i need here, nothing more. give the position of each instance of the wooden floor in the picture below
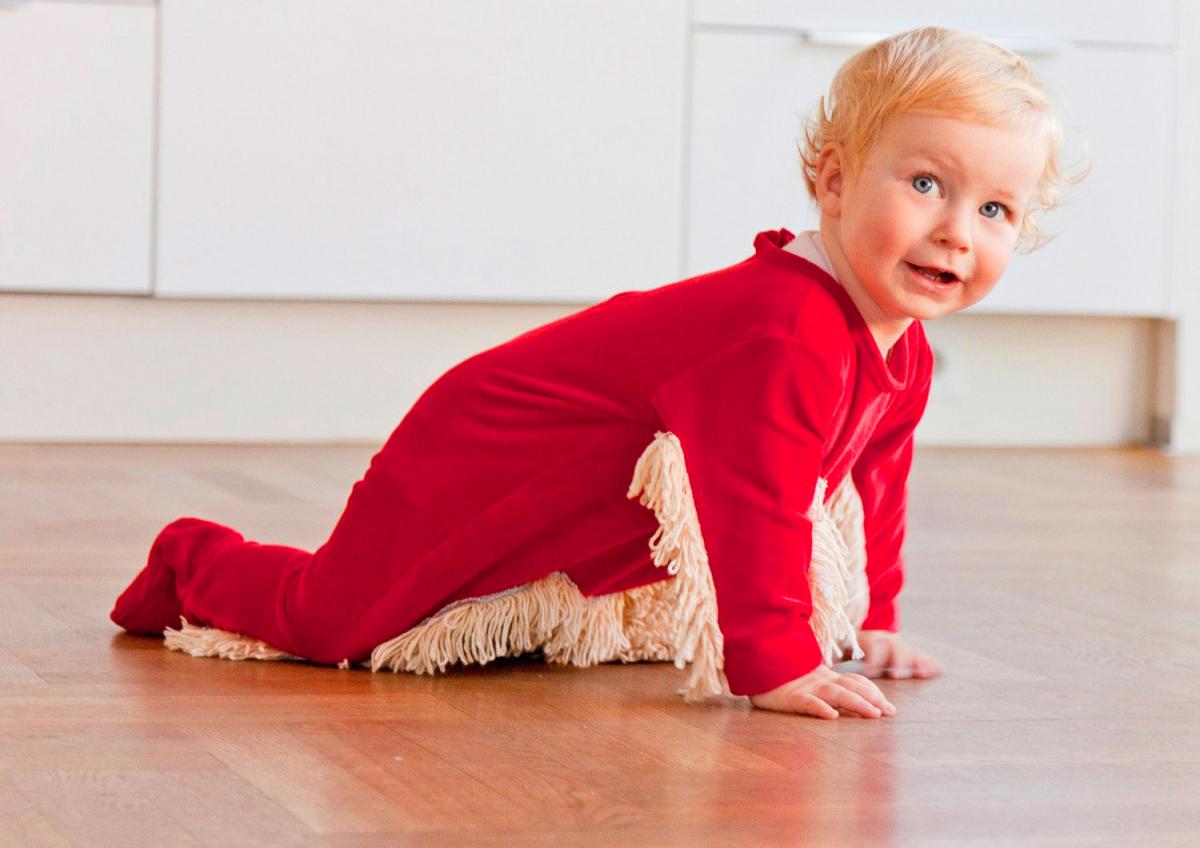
(1059, 589)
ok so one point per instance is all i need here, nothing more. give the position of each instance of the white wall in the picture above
(80, 368)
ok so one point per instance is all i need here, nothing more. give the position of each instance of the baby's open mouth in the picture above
(933, 274)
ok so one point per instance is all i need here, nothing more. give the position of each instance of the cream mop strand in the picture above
(829, 580)
(661, 480)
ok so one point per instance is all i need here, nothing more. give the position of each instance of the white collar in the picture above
(808, 245)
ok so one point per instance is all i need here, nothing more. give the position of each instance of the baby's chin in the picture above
(927, 310)
(931, 312)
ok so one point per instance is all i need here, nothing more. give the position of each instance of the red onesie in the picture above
(515, 464)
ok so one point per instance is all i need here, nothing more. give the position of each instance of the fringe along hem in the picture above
(672, 619)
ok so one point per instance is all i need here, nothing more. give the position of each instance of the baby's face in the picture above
(937, 193)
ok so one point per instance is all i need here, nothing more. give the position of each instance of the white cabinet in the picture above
(523, 150)
(450, 150)
(752, 86)
(76, 146)
(748, 93)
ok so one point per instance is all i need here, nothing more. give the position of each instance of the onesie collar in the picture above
(893, 374)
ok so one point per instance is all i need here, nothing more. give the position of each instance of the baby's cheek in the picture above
(885, 240)
(991, 273)
(978, 291)
(884, 251)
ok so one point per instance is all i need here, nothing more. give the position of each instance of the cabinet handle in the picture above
(1031, 46)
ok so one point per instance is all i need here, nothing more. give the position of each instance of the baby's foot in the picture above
(149, 604)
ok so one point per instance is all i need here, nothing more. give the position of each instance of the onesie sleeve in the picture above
(752, 420)
(881, 478)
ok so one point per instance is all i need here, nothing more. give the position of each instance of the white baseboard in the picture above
(135, 369)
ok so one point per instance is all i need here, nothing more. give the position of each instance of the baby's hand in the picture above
(822, 691)
(887, 656)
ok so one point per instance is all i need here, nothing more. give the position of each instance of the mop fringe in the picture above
(212, 642)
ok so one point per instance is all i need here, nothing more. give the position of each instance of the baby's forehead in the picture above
(1010, 152)
(940, 131)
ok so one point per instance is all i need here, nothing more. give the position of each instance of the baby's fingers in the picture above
(886, 656)
(926, 666)
(840, 696)
(868, 690)
(812, 705)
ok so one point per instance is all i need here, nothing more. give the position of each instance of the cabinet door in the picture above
(449, 150)
(751, 91)
(76, 142)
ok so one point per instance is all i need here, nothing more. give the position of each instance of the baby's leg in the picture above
(211, 575)
(306, 604)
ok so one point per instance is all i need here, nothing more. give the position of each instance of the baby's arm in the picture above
(741, 415)
(881, 479)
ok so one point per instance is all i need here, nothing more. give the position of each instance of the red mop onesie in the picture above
(514, 466)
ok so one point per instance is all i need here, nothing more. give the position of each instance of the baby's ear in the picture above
(829, 180)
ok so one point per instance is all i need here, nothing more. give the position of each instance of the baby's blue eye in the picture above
(991, 204)
(923, 184)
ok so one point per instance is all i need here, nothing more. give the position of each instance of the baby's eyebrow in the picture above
(938, 156)
(946, 160)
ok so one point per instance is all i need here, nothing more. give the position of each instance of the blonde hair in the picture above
(937, 71)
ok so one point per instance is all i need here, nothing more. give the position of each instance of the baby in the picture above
(928, 169)
(712, 471)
